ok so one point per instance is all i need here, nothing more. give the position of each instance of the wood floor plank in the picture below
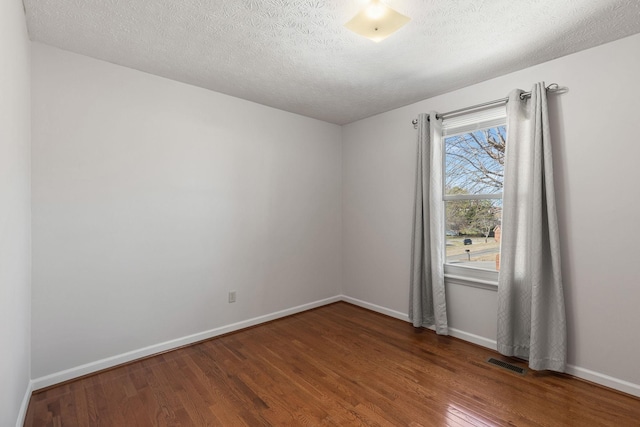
(338, 365)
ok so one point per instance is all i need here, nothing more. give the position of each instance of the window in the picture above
(474, 147)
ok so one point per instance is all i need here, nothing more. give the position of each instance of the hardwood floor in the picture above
(335, 365)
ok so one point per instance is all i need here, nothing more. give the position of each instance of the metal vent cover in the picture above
(506, 365)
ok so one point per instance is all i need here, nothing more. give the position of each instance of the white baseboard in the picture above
(109, 362)
(472, 338)
(69, 374)
(25, 405)
(466, 336)
(585, 374)
(376, 308)
(605, 380)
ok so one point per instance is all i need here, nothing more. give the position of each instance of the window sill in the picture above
(472, 282)
(473, 277)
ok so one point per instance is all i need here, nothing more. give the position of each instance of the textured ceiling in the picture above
(297, 56)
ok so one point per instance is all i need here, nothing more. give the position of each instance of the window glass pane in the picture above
(473, 233)
(474, 161)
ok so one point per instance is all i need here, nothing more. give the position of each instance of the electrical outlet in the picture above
(232, 296)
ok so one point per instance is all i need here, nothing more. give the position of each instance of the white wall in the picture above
(596, 149)
(15, 199)
(152, 199)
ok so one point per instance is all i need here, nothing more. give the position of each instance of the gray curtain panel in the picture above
(531, 313)
(427, 296)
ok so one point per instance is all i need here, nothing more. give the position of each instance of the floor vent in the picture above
(506, 365)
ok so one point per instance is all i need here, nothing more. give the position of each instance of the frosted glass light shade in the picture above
(386, 21)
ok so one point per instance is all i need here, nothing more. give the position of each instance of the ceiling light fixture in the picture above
(377, 21)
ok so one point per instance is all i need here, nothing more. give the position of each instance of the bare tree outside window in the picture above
(474, 170)
(475, 161)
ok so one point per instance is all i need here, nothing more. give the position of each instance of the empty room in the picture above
(340, 212)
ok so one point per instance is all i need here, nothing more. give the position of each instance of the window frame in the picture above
(461, 124)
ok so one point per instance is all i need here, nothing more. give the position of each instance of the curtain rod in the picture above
(553, 87)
